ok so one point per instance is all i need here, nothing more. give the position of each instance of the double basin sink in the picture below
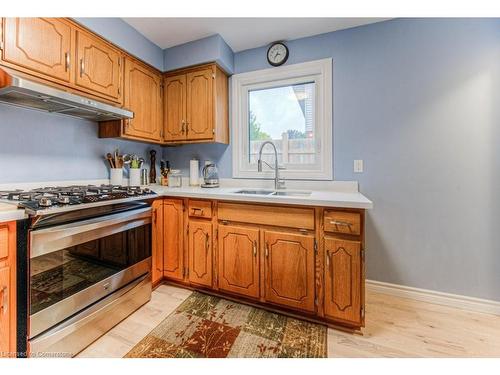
(282, 193)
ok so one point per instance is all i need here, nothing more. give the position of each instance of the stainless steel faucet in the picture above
(278, 182)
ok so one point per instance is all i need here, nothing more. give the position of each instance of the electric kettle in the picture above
(210, 175)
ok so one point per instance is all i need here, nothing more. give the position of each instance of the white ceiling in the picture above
(239, 33)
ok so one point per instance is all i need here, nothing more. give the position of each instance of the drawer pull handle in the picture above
(341, 223)
(5, 299)
(206, 242)
(267, 250)
(255, 248)
(196, 210)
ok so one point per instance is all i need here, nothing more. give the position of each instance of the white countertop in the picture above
(10, 212)
(343, 194)
(344, 197)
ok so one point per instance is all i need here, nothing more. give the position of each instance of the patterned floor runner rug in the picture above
(205, 326)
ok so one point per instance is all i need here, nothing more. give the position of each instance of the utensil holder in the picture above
(116, 176)
(134, 178)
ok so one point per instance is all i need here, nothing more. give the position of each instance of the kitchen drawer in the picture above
(201, 209)
(342, 222)
(4, 241)
(293, 217)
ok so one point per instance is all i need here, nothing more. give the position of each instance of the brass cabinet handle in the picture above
(206, 242)
(255, 248)
(5, 300)
(82, 68)
(267, 250)
(342, 223)
(67, 61)
(187, 127)
(182, 126)
(196, 209)
(155, 215)
(328, 258)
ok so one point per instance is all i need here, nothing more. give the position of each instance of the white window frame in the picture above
(319, 72)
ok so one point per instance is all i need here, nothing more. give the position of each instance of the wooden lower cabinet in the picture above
(343, 278)
(289, 269)
(8, 289)
(173, 239)
(157, 242)
(238, 260)
(200, 252)
(232, 249)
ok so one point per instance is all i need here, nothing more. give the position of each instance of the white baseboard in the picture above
(431, 296)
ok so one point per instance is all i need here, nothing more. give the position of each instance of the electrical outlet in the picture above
(358, 166)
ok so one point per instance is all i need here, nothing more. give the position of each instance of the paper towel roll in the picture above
(194, 172)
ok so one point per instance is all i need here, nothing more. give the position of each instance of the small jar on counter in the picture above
(175, 178)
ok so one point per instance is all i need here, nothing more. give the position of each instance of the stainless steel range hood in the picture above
(18, 91)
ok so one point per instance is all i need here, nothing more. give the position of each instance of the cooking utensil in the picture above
(109, 157)
(126, 159)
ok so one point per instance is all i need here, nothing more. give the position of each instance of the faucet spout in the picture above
(278, 183)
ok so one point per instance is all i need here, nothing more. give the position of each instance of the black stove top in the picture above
(42, 198)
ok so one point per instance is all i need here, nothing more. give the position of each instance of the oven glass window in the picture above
(60, 274)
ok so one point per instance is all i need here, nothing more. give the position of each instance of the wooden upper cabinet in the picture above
(199, 105)
(157, 241)
(289, 269)
(143, 96)
(343, 280)
(99, 66)
(41, 46)
(173, 239)
(175, 105)
(200, 252)
(196, 105)
(238, 260)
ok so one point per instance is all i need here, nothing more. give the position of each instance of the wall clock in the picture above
(277, 54)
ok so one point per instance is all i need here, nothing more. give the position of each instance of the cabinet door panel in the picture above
(98, 66)
(289, 265)
(200, 105)
(157, 245)
(173, 243)
(238, 260)
(143, 97)
(5, 323)
(40, 45)
(200, 253)
(175, 108)
(343, 280)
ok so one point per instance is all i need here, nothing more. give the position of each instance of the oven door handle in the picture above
(47, 240)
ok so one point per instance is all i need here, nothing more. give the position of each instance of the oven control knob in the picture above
(63, 200)
(45, 202)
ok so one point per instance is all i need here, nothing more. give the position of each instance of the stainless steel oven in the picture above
(87, 272)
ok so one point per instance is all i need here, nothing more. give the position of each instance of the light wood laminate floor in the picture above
(395, 327)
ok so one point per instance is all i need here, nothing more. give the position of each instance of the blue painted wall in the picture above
(38, 146)
(417, 100)
(125, 36)
(212, 48)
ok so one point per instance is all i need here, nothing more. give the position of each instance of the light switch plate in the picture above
(358, 166)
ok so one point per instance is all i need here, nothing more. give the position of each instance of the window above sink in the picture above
(290, 106)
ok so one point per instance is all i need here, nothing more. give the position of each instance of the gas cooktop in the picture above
(60, 197)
